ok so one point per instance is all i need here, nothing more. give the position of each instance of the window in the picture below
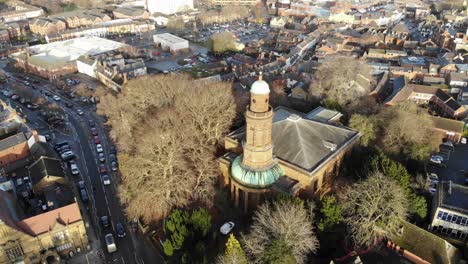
(444, 230)
(463, 235)
(444, 216)
(439, 214)
(463, 221)
(454, 218)
(14, 253)
(449, 218)
(459, 219)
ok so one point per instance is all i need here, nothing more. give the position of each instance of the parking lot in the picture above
(456, 165)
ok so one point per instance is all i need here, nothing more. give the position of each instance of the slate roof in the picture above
(42, 223)
(453, 196)
(453, 104)
(44, 167)
(303, 142)
(12, 141)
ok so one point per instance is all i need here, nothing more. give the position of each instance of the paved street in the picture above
(133, 248)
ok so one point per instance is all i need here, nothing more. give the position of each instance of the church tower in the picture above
(256, 170)
(258, 149)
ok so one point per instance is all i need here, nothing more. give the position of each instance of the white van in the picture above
(111, 247)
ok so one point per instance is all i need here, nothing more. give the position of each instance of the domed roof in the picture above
(254, 179)
(260, 87)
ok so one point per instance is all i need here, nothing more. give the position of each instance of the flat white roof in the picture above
(167, 37)
(62, 52)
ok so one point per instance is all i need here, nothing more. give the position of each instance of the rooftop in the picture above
(42, 223)
(304, 142)
(453, 196)
(167, 37)
(60, 53)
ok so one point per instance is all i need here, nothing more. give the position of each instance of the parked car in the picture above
(94, 131)
(69, 105)
(74, 169)
(433, 177)
(112, 158)
(84, 195)
(101, 157)
(81, 185)
(463, 140)
(113, 150)
(79, 112)
(105, 221)
(97, 140)
(111, 247)
(437, 159)
(32, 106)
(91, 123)
(56, 98)
(114, 166)
(68, 155)
(99, 148)
(60, 144)
(226, 228)
(15, 97)
(102, 168)
(120, 230)
(433, 188)
(105, 179)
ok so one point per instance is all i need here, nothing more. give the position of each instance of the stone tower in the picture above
(258, 149)
(256, 170)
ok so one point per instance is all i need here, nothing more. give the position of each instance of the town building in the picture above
(281, 151)
(59, 58)
(118, 26)
(43, 222)
(130, 12)
(427, 95)
(17, 10)
(171, 42)
(236, 2)
(168, 7)
(46, 25)
(82, 18)
(449, 215)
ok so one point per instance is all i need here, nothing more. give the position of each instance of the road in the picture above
(134, 248)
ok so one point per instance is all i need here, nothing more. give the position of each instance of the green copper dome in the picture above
(252, 178)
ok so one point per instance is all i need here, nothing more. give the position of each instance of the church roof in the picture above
(303, 142)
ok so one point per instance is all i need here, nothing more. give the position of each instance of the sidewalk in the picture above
(95, 254)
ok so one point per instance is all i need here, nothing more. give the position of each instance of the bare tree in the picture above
(341, 79)
(83, 90)
(222, 42)
(283, 220)
(226, 14)
(373, 208)
(175, 24)
(367, 126)
(407, 130)
(167, 128)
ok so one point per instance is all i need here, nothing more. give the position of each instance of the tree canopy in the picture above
(373, 208)
(223, 42)
(285, 222)
(167, 129)
(234, 254)
(341, 79)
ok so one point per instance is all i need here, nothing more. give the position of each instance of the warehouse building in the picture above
(171, 42)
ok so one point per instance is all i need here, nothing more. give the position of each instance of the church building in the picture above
(282, 150)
